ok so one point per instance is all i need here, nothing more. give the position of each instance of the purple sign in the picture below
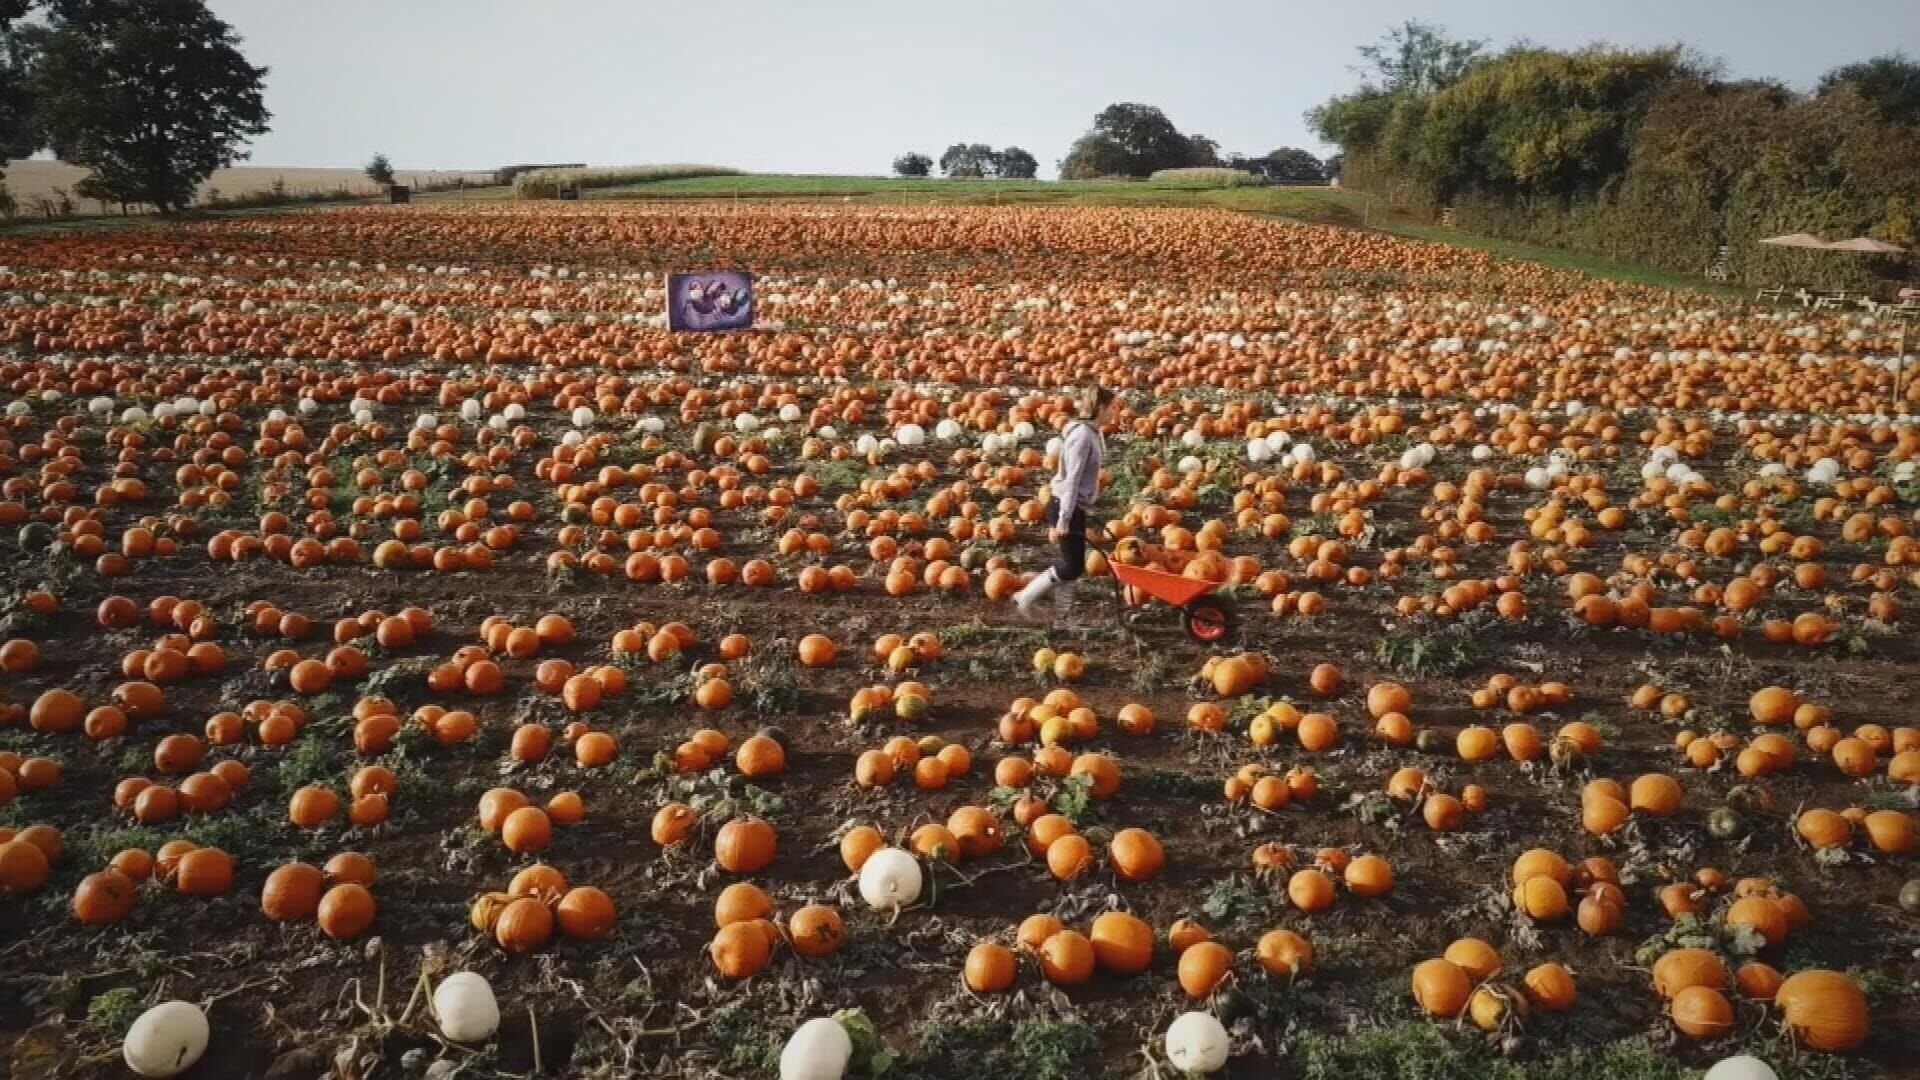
(718, 300)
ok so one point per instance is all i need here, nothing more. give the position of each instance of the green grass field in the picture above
(1333, 206)
(1610, 269)
(1310, 203)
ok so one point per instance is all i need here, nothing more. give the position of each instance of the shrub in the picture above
(1205, 178)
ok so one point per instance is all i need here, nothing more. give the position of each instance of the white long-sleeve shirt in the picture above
(1077, 481)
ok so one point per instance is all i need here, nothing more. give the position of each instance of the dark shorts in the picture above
(1072, 560)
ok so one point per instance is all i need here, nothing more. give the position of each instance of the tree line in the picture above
(151, 96)
(971, 160)
(1649, 154)
(1126, 141)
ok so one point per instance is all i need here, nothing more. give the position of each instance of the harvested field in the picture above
(31, 181)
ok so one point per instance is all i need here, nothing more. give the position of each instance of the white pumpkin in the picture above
(819, 1050)
(1258, 451)
(466, 1007)
(1742, 1067)
(890, 879)
(166, 1040)
(910, 435)
(745, 423)
(470, 410)
(1197, 1043)
(582, 416)
(1417, 457)
(789, 413)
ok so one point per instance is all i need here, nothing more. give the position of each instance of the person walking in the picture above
(1076, 483)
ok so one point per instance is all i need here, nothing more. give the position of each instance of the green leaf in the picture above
(870, 1056)
(1074, 797)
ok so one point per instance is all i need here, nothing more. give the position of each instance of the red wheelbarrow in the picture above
(1207, 617)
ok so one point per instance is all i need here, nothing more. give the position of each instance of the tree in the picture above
(1145, 135)
(1413, 59)
(380, 170)
(1891, 84)
(1014, 163)
(1354, 121)
(1202, 152)
(1540, 122)
(967, 160)
(1290, 165)
(1093, 156)
(151, 95)
(1418, 58)
(912, 163)
(1129, 139)
(19, 136)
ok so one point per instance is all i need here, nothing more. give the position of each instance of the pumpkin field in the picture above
(422, 663)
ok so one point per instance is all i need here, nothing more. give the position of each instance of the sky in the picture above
(844, 86)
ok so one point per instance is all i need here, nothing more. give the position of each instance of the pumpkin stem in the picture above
(413, 999)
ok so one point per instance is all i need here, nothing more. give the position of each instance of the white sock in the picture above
(1041, 584)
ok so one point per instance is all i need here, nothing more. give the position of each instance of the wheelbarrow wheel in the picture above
(1207, 620)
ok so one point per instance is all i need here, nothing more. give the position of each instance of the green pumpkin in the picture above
(1725, 823)
(1748, 799)
(1233, 1005)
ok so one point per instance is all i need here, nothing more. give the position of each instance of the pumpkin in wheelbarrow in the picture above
(1206, 566)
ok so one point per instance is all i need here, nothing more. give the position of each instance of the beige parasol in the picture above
(1797, 240)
